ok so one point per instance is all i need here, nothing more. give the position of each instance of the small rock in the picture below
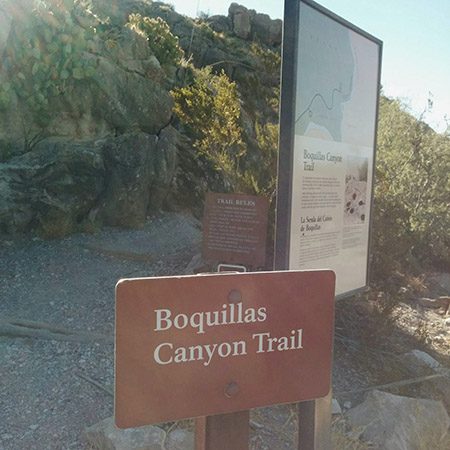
(196, 265)
(33, 427)
(419, 363)
(335, 407)
(347, 405)
(426, 359)
(256, 425)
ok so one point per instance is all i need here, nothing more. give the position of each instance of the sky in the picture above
(416, 44)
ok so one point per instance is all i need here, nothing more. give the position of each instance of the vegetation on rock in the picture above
(162, 42)
(48, 56)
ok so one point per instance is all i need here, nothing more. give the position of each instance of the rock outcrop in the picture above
(139, 168)
(125, 92)
(62, 186)
(248, 24)
(87, 136)
(51, 188)
(102, 149)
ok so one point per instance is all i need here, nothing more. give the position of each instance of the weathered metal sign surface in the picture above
(211, 344)
(235, 229)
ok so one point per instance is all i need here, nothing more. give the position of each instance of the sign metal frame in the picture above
(314, 415)
(290, 65)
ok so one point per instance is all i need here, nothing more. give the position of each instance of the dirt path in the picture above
(45, 401)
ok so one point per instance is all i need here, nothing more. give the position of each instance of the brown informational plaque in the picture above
(235, 229)
(213, 344)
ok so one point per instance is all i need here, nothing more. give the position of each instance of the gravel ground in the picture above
(45, 404)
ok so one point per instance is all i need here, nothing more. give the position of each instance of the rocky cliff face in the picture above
(86, 116)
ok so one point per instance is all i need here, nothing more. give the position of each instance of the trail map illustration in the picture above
(328, 81)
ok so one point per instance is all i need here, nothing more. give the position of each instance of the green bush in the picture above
(263, 169)
(161, 41)
(209, 111)
(412, 194)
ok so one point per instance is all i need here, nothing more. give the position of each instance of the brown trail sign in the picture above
(217, 344)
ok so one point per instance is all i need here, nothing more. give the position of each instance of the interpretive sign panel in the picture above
(213, 344)
(235, 229)
(328, 145)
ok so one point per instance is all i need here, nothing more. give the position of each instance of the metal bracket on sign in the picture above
(231, 268)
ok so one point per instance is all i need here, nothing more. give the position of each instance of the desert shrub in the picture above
(412, 193)
(209, 111)
(259, 85)
(262, 171)
(161, 41)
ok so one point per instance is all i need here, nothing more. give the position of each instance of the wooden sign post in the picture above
(211, 346)
(223, 432)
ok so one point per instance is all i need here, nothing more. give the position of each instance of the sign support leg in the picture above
(223, 432)
(314, 424)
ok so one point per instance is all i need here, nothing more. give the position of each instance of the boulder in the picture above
(107, 436)
(219, 24)
(164, 166)
(443, 280)
(132, 54)
(248, 24)
(14, 215)
(260, 27)
(392, 422)
(140, 168)
(266, 30)
(51, 188)
(116, 100)
(241, 19)
(128, 101)
(276, 32)
(418, 363)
